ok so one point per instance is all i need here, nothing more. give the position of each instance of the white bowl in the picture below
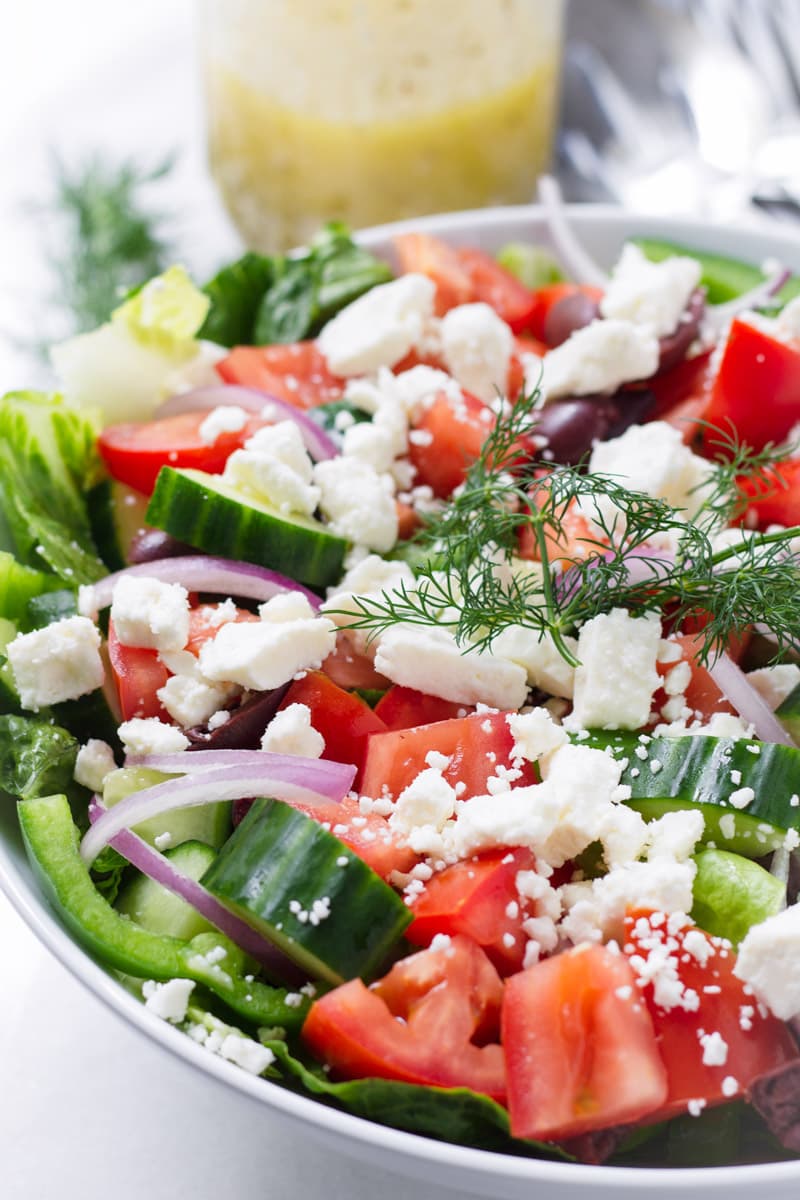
(478, 1172)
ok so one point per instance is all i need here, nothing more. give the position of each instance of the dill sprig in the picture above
(107, 240)
(639, 553)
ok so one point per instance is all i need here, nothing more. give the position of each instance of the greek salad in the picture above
(400, 683)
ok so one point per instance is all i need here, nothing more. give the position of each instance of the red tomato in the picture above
(408, 520)
(683, 395)
(343, 718)
(296, 373)
(204, 624)
(138, 674)
(703, 696)
(350, 669)
(403, 708)
(757, 388)
(370, 836)
(418, 1024)
(453, 434)
(134, 454)
(776, 500)
(717, 1002)
(476, 746)
(494, 285)
(478, 898)
(579, 1044)
(545, 297)
(423, 254)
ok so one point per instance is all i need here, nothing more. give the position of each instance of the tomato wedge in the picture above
(476, 745)
(447, 440)
(418, 1024)
(775, 499)
(138, 675)
(403, 708)
(424, 254)
(715, 1003)
(134, 454)
(343, 718)
(757, 386)
(494, 285)
(296, 373)
(479, 898)
(579, 1044)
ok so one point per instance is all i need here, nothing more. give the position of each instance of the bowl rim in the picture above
(355, 1133)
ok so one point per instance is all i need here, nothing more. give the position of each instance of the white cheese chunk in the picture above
(653, 459)
(597, 359)
(649, 294)
(775, 683)
(535, 734)
(150, 614)
(59, 662)
(431, 661)
(615, 682)
(370, 578)
(769, 961)
(357, 502)
(476, 347)
(191, 700)
(275, 468)
(227, 418)
(429, 800)
(169, 1000)
(290, 732)
(147, 735)
(93, 763)
(265, 654)
(380, 327)
(544, 666)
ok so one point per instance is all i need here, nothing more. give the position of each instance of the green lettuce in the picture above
(48, 460)
(36, 758)
(451, 1114)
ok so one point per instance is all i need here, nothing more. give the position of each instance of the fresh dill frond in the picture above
(106, 241)
(637, 553)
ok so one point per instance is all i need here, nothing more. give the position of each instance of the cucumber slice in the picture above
(732, 893)
(210, 823)
(668, 773)
(205, 512)
(116, 515)
(308, 893)
(154, 907)
(788, 713)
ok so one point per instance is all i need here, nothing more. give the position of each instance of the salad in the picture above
(399, 683)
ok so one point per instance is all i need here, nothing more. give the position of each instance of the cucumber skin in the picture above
(187, 505)
(278, 856)
(696, 772)
(788, 713)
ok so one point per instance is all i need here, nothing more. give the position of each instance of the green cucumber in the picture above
(209, 823)
(206, 512)
(732, 893)
(686, 772)
(116, 515)
(280, 869)
(788, 713)
(723, 278)
(532, 265)
(154, 907)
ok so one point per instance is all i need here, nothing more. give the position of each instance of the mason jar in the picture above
(367, 111)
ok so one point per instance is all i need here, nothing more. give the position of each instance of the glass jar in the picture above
(371, 110)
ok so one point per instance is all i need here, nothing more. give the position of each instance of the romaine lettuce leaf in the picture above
(451, 1114)
(48, 458)
(166, 313)
(36, 758)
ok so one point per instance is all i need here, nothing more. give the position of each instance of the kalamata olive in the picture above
(572, 426)
(149, 544)
(634, 405)
(245, 726)
(673, 347)
(568, 314)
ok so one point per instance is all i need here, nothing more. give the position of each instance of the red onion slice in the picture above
(718, 315)
(150, 862)
(750, 706)
(200, 573)
(208, 787)
(316, 441)
(332, 780)
(575, 260)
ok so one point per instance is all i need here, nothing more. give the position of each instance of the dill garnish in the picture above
(640, 553)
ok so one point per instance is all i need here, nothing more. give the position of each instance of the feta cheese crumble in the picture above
(290, 732)
(653, 296)
(93, 763)
(615, 682)
(380, 327)
(597, 359)
(150, 614)
(59, 662)
(476, 348)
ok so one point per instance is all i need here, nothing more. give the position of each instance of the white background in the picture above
(90, 1110)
